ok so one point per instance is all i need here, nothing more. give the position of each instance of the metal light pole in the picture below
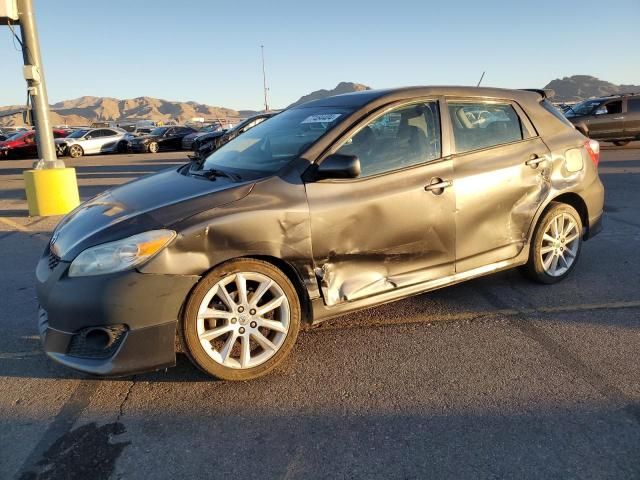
(264, 81)
(51, 188)
(34, 75)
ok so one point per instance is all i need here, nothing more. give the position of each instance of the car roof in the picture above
(359, 99)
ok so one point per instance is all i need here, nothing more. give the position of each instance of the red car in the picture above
(23, 144)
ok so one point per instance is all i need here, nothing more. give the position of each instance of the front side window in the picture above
(483, 125)
(269, 146)
(403, 137)
(611, 108)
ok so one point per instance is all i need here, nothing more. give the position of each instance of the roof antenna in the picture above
(481, 77)
(264, 81)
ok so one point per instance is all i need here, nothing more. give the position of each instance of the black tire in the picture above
(153, 147)
(534, 268)
(188, 327)
(75, 151)
(621, 143)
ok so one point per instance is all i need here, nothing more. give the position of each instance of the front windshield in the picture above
(158, 132)
(273, 143)
(583, 108)
(77, 134)
(15, 136)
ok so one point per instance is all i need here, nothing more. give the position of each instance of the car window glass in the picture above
(406, 136)
(108, 133)
(633, 105)
(613, 107)
(95, 134)
(482, 125)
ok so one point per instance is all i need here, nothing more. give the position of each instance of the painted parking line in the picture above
(14, 225)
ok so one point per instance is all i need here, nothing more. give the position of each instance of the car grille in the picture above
(54, 260)
(83, 345)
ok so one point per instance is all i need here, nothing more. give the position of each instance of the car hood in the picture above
(145, 138)
(152, 202)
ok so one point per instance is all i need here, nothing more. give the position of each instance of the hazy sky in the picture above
(209, 51)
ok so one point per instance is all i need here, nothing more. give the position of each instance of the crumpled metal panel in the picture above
(497, 197)
(382, 233)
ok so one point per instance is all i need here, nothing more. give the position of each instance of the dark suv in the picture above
(329, 207)
(613, 119)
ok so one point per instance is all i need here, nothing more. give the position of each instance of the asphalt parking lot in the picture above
(494, 378)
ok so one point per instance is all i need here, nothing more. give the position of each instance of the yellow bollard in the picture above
(51, 191)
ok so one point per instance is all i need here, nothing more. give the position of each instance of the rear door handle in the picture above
(535, 160)
(438, 185)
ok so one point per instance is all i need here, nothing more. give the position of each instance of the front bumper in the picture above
(138, 147)
(141, 309)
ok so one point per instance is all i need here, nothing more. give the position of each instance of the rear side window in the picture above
(633, 105)
(478, 125)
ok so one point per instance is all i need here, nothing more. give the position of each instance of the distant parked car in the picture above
(92, 141)
(613, 119)
(136, 130)
(187, 142)
(204, 146)
(23, 144)
(161, 138)
(107, 124)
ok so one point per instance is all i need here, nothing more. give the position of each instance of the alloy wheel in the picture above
(243, 320)
(560, 244)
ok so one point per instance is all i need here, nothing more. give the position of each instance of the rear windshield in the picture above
(269, 146)
(553, 110)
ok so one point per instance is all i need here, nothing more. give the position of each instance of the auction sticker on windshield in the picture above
(321, 118)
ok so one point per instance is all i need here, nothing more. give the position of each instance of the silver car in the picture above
(93, 140)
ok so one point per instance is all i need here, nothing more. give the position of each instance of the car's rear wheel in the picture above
(621, 143)
(556, 244)
(241, 320)
(75, 151)
(153, 147)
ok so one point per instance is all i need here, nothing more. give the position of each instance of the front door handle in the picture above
(437, 185)
(535, 160)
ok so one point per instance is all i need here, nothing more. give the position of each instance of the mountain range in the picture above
(580, 87)
(85, 110)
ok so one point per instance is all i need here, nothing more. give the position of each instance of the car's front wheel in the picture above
(241, 320)
(153, 147)
(75, 151)
(556, 244)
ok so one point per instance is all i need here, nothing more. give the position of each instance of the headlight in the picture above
(121, 255)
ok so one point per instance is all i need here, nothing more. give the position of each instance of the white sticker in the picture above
(322, 118)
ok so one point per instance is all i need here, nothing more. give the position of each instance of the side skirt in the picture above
(322, 312)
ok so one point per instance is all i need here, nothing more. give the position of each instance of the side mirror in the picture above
(338, 166)
(601, 111)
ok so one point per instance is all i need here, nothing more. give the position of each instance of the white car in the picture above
(93, 140)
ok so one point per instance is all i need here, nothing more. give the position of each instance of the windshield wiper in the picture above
(213, 173)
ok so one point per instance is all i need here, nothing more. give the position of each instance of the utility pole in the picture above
(51, 188)
(34, 75)
(264, 81)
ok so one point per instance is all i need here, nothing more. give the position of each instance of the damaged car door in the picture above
(392, 226)
(501, 172)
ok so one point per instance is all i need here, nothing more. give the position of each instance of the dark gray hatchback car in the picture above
(329, 207)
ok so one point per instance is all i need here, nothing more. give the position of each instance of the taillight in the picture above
(593, 149)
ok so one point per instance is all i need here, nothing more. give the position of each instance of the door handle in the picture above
(437, 185)
(535, 160)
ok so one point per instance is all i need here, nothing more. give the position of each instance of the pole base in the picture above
(51, 191)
